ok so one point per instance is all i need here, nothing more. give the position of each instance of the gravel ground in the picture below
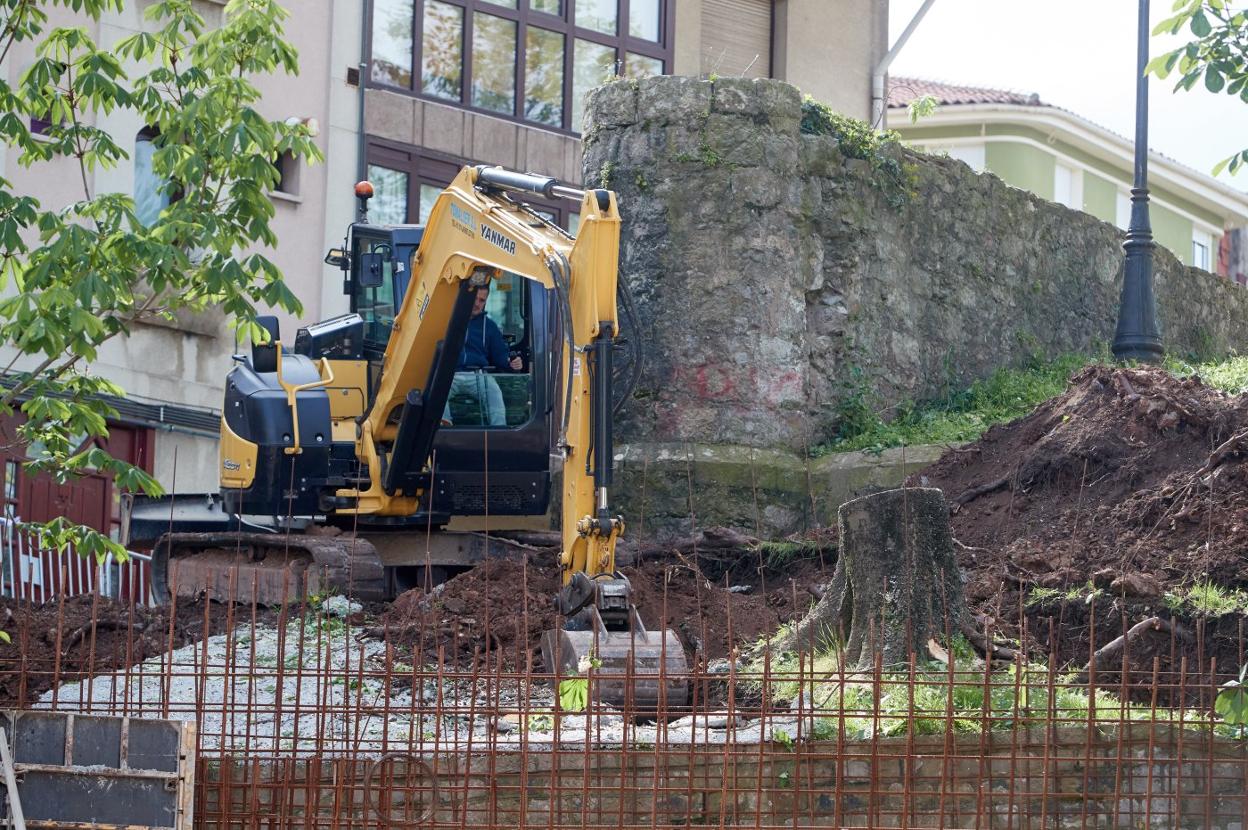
(326, 694)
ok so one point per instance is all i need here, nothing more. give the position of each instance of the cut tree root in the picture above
(982, 490)
(1233, 445)
(1109, 655)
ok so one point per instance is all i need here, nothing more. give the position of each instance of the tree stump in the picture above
(896, 583)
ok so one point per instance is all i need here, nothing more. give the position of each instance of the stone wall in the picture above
(774, 275)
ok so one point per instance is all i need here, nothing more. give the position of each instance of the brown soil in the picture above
(502, 607)
(1112, 484)
(94, 636)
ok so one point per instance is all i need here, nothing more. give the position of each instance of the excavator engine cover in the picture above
(640, 672)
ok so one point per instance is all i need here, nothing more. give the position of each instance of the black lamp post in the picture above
(1138, 337)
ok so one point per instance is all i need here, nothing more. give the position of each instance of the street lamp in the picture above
(1137, 337)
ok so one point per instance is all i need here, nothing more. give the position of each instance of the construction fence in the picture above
(32, 570)
(309, 717)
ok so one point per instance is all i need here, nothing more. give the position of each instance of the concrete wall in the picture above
(469, 135)
(829, 50)
(1137, 776)
(775, 276)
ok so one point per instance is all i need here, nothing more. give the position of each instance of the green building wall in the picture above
(1022, 166)
(1173, 231)
(1100, 197)
(1031, 168)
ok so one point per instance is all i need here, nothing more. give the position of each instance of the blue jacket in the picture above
(484, 346)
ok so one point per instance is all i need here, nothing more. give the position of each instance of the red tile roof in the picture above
(901, 91)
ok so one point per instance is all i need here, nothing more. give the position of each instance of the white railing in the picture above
(33, 572)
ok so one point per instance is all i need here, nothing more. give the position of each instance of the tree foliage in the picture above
(1217, 55)
(75, 276)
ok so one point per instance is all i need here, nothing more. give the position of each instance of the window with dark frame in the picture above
(528, 60)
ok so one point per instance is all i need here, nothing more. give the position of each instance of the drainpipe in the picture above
(878, 98)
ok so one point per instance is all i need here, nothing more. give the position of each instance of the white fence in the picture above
(30, 571)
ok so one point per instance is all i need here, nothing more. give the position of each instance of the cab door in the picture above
(376, 305)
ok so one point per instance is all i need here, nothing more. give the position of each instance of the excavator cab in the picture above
(515, 463)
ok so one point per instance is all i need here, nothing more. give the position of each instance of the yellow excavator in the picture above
(341, 456)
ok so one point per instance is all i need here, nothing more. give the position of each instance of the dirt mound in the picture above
(94, 636)
(502, 607)
(1133, 482)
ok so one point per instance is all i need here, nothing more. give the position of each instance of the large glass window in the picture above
(640, 66)
(428, 195)
(594, 64)
(643, 19)
(442, 50)
(520, 59)
(493, 63)
(392, 42)
(543, 77)
(389, 203)
(598, 15)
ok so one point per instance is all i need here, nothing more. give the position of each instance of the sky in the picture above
(1079, 55)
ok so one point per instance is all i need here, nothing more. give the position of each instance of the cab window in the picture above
(376, 305)
(494, 397)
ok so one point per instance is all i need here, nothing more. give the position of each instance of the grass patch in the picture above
(776, 555)
(965, 700)
(1005, 395)
(1206, 599)
(1230, 375)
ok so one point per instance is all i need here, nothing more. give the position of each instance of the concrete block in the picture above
(493, 141)
(389, 115)
(547, 153)
(443, 129)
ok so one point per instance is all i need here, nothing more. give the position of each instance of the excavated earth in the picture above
(498, 610)
(1088, 515)
(1081, 517)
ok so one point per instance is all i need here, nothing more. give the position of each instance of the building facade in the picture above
(406, 92)
(1065, 158)
(503, 81)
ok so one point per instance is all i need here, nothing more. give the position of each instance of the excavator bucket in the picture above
(641, 672)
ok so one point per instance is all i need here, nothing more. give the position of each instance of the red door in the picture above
(87, 500)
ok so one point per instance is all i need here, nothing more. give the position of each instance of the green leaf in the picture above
(1232, 703)
(574, 694)
(1214, 80)
(1200, 24)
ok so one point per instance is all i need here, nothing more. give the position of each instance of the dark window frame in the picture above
(524, 16)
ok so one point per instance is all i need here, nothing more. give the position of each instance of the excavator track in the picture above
(269, 568)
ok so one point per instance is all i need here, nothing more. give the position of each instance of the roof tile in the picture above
(901, 91)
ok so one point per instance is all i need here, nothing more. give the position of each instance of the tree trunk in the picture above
(896, 582)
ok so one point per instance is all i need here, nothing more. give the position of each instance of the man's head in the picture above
(478, 307)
